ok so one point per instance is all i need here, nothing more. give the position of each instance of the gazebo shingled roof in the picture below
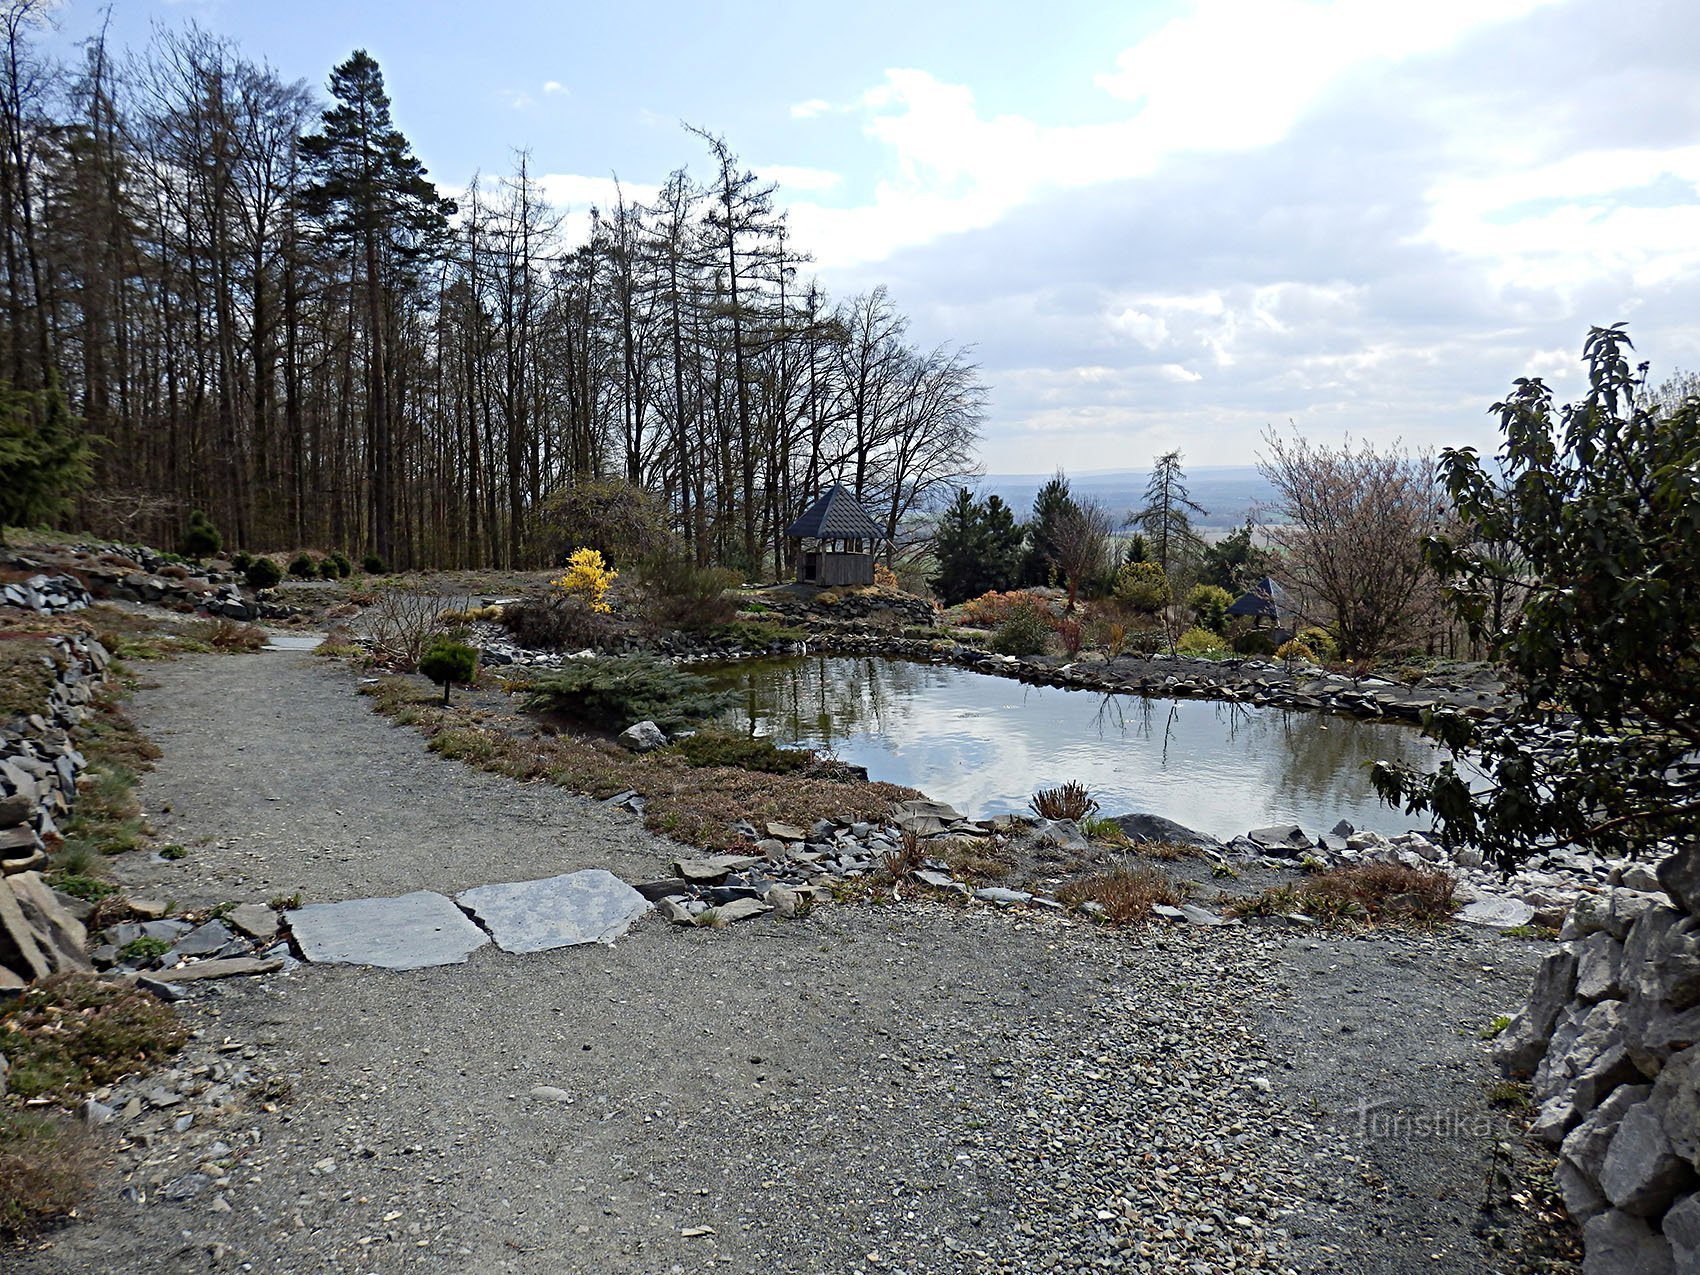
(1265, 600)
(835, 516)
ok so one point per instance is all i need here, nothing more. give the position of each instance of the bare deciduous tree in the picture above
(1081, 541)
(1349, 524)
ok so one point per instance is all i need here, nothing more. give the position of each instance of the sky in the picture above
(1159, 225)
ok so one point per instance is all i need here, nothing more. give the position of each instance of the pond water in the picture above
(985, 744)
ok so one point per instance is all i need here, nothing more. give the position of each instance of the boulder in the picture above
(1582, 1198)
(1679, 874)
(1523, 1043)
(1599, 964)
(1613, 912)
(1586, 1145)
(643, 737)
(1618, 1244)
(1064, 834)
(1144, 828)
(1681, 1226)
(1676, 1098)
(925, 818)
(1642, 1174)
(1285, 841)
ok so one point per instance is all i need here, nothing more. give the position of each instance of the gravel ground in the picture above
(910, 1088)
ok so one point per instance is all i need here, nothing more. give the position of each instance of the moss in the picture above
(746, 752)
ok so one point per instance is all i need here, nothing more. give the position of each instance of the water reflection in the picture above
(985, 743)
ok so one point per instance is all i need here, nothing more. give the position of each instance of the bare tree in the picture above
(1081, 542)
(1349, 524)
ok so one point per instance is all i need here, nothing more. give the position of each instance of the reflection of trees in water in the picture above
(824, 699)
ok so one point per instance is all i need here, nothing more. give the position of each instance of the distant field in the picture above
(1229, 491)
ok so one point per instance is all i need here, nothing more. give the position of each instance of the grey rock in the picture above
(938, 880)
(403, 933)
(1497, 912)
(787, 832)
(925, 818)
(713, 869)
(1618, 1244)
(1154, 828)
(203, 940)
(1679, 874)
(1599, 962)
(1524, 1042)
(1002, 896)
(1638, 876)
(1200, 916)
(549, 1093)
(256, 920)
(643, 737)
(783, 900)
(662, 887)
(1676, 1098)
(1641, 1174)
(1582, 1198)
(97, 1113)
(592, 906)
(1586, 1145)
(1064, 834)
(727, 913)
(1612, 911)
(1681, 1226)
(230, 967)
(1286, 841)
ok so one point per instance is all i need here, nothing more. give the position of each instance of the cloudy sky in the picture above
(1159, 224)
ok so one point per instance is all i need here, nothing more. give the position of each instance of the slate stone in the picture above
(1155, 828)
(593, 906)
(1286, 840)
(203, 971)
(1001, 896)
(255, 920)
(726, 913)
(1497, 913)
(203, 940)
(408, 932)
(1200, 916)
(925, 818)
(713, 869)
(787, 832)
(643, 737)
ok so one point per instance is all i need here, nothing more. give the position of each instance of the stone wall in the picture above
(1610, 1040)
(39, 766)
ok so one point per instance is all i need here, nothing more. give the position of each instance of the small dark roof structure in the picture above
(835, 516)
(1265, 600)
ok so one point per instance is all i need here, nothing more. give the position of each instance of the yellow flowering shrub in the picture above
(587, 577)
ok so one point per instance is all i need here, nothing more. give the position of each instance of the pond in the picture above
(985, 744)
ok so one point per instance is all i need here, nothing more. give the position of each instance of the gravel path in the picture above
(911, 1088)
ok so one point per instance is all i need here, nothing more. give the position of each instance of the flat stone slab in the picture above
(233, 967)
(294, 642)
(404, 933)
(593, 906)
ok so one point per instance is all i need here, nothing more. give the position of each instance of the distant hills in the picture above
(1228, 491)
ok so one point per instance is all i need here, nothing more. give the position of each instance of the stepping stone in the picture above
(234, 967)
(294, 642)
(404, 933)
(593, 906)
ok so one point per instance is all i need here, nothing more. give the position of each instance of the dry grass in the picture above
(1377, 893)
(1066, 801)
(1127, 894)
(225, 634)
(47, 1168)
(27, 666)
(905, 858)
(975, 858)
(72, 1033)
(693, 804)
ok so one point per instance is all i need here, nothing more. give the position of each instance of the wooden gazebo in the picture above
(1265, 601)
(835, 540)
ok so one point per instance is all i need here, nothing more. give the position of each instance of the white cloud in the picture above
(811, 108)
(554, 87)
(1231, 75)
(797, 177)
(574, 194)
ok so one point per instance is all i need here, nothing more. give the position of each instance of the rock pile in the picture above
(46, 595)
(1611, 1039)
(39, 765)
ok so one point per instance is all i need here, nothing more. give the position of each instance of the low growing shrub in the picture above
(587, 579)
(612, 694)
(263, 573)
(373, 565)
(991, 609)
(327, 569)
(47, 1168)
(1025, 631)
(201, 539)
(1201, 641)
(1376, 892)
(302, 566)
(344, 567)
(1127, 894)
(747, 752)
(679, 594)
(71, 1033)
(557, 622)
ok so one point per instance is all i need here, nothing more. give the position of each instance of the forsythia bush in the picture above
(587, 577)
